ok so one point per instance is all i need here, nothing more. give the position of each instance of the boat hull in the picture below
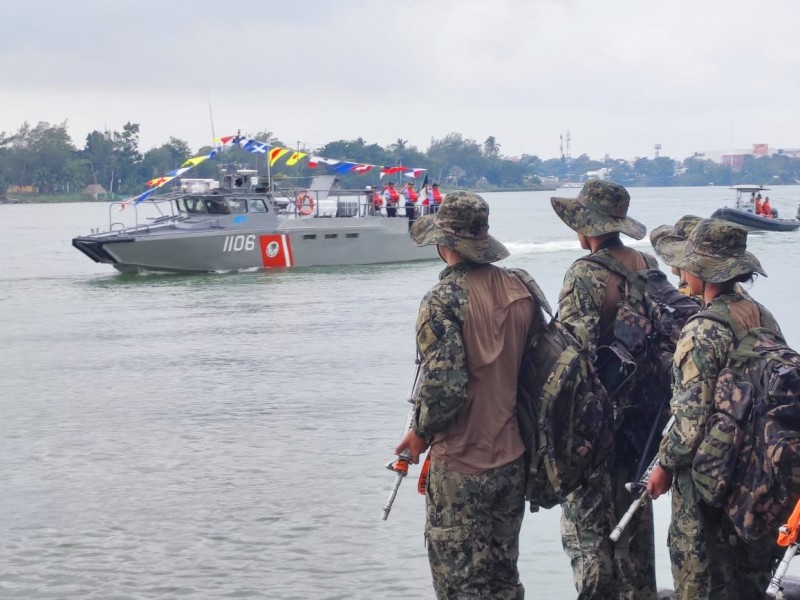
(753, 221)
(297, 243)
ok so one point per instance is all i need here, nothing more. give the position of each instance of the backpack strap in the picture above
(611, 262)
(633, 278)
(533, 287)
(744, 340)
(717, 312)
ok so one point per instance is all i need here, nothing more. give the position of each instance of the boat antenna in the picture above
(211, 115)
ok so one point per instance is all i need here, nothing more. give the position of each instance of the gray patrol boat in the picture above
(240, 223)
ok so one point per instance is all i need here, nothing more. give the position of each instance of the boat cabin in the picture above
(746, 196)
(220, 205)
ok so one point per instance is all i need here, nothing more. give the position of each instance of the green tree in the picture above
(99, 157)
(398, 149)
(490, 147)
(656, 172)
(160, 161)
(454, 150)
(45, 157)
(128, 159)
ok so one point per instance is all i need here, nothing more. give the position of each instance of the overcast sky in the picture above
(619, 75)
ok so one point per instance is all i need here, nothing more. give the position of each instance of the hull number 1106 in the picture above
(239, 243)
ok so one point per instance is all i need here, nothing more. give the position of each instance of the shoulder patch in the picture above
(426, 338)
(683, 349)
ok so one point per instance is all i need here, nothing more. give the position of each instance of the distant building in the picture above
(735, 158)
(601, 174)
(94, 190)
(22, 189)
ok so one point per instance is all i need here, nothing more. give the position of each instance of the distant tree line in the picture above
(44, 157)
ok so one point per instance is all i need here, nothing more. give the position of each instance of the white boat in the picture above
(744, 211)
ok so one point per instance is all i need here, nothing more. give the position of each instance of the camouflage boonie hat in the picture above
(658, 233)
(716, 252)
(601, 207)
(461, 223)
(671, 245)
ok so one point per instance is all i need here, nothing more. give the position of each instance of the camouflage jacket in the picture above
(455, 336)
(700, 355)
(443, 373)
(581, 299)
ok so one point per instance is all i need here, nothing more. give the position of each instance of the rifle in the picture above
(787, 537)
(401, 463)
(639, 488)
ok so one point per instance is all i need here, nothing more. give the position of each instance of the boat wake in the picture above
(571, 245)
(517, 248)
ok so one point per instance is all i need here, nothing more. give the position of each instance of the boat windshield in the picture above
(192, 204)
(220, 206)
(237, 205)
(257, 205)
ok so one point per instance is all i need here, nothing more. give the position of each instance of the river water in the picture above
(225, 435)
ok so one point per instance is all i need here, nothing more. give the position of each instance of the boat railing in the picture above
(131, 211)
(344, 203)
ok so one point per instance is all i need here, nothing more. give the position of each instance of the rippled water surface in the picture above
(225, 435)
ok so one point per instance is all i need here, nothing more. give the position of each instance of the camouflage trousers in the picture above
(603, 570)
(709, 561)
(472, 532)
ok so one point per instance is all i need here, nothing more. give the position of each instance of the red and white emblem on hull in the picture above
(276, 251)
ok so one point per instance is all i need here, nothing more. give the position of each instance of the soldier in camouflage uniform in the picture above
(471, 332)
(672, 236)
(708, 560)
(589, 297)
(669, 243)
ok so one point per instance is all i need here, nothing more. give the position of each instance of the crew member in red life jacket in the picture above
(759, 207)
(392, 199)
(436, 197)
(411, 203)
(377, 200)
(766, 209)
(369, 196)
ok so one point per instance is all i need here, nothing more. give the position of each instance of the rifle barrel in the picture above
(626, 518)
(397, 481)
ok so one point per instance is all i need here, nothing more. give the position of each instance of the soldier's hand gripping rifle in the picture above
(787, 537)
(401, 463)
(639, 490)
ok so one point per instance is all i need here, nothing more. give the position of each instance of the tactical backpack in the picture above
(564, 415)
(636, 368)
(749, 461)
